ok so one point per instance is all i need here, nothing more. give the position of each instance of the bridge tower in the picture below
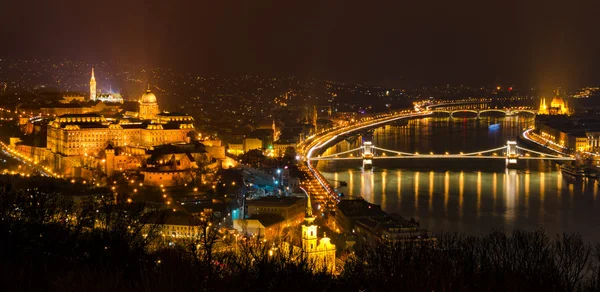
(367, 154)
(511, 154)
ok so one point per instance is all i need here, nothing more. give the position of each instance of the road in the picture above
(320, 141)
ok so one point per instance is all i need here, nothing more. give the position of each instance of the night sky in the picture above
(395, 43)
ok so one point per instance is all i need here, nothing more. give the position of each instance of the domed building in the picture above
(558, 106)
(148, 105)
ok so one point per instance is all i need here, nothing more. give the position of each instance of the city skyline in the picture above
(155, 145)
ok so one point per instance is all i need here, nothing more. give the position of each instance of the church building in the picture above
(320, 253)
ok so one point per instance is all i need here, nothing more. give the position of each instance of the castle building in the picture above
(148, 105)
(80, 140)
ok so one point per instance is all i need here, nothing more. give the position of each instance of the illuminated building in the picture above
(321, 254)
(93, 86)
(79, 140)
(172, 225)
(174, 164)
(104, 97)
(148, 105)
(251, 144)
(558, 106)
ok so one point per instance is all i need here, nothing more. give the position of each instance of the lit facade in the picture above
(558, 106)
(148, 106)
(93, 86)
(88, 134)
(78, 140)
(321, 253)
(106, 97)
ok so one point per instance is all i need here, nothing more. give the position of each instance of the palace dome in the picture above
(148, 97)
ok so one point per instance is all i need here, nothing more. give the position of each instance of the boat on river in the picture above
(572, 170)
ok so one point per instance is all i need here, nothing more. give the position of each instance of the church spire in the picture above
(93, 86)
(308, 213)
(308, 207)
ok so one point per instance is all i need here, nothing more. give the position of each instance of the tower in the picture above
(309, 229)
(367, 154)
(109, 167)
(93, 86)
(511, 154)
(320, 253)
(543, 108)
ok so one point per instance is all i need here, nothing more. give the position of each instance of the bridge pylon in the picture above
(511, 154)
(367, 154)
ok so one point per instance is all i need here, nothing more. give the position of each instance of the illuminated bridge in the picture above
(477, 108)
(309, 148)
(511, 153)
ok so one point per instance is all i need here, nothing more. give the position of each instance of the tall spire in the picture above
(93, 86)
(308, 216)
(308, 207)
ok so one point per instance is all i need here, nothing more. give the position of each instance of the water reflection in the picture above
(478, 193)
(466, 196)
(431, 185)
(510, 197)
(416, 192)
(446, 191)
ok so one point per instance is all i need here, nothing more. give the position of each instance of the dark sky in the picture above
(526, 42)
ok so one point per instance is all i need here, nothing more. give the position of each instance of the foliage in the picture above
(49, 243)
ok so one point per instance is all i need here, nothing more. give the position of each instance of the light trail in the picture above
(319, 143)
(526, 136)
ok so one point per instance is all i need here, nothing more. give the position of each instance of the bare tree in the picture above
(571, 259)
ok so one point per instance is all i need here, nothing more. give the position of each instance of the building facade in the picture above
(80, 140)
(320, 253)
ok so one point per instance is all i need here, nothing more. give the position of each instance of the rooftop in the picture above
(359, 208)
(276, 201)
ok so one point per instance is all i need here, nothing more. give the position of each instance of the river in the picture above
(467, 196)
